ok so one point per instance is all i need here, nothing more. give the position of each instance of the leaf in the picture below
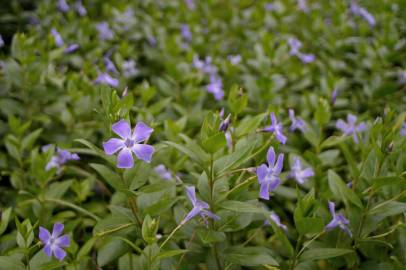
(11, 263)
(5, 217)
(112, 224)
(248, 256)
(112, 178)
(234, 159)
(333, 141)
(161, 206)
(30, 139)
(241, 207)
(309, 225)
(58, 189)
(186, 151)
(210, 236)
(387, 209)
(156, 187)
(111, 250)
(387, 181)
(322, 113)
(171, 253)
(249, 124)
(214, 143)
(324, 253)
(237, 100)
(86, 248)
(340, 189)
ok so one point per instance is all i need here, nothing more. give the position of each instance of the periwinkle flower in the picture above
(334, 95)
(185, 31)
(338, 220)
(215, 87)
(54, 242)
(71, 48)
(152, 40)
(268, 175)
(62, 6)
(225, 123)
(62, 156)
(57, 37)
(199, 208)
(363, 13)
(302, 4)
(205, 66)
(276, 128)
(234, 59)
(276, 219)
(269, 6)
(129, 68)
(350, 128)
(402, 77)
(306, 57)
(129, 143)
(300, 174)
(105, 78)
(163, 172)
(80, 8)
(105, 33)
(295, 45)
(110, 67)
(1, 41)
(296, 122)
(125, 19)
(190, 4)
(403, 130)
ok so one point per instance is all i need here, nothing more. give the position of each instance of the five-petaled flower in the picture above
(54, 242)
(275, 218)
(300, 174)
(199, 208)
(351, 128)
(276, 128)
(62, 156)
(297, 122)
(63, 6)
(268, 176)
(105, 33)
(338, 220)
(129, 143)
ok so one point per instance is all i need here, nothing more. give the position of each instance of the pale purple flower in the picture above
(300, 174)
(129, 68)
(185, 31)
(215, 87)
(110, 67)
(276, 128)
(229, 138)
(275, 218)
(199, 208)
(54, 242)
(125, 19)
(334, 95)
(62, 156)
(268, 176)
(270, 6)
(163, 172)
(63, 6)
(302, 4)
(295, 45)
(1, 41)
(306, 57)
(363, 13)
(71, 48)
(297, 122)
(190, 4)
(80, 8)
(205, 66)
(129, 143)
(105, 33)
(234, 59)
(402, 76)
(225, 123)
(338, 220)
(403, 130)
(350, 128)
(105, 78)
(152, 40)
(349, 184)
(57, 37)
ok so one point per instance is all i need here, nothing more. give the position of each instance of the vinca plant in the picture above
(203, 135)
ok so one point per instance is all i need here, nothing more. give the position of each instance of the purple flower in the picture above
(63, 6)
(105, 33)
(351, 128)
(129, 143)
(129, 68)
(185, 31)
(338, 220)
(302, 4)
(54, 242)
(62, 156)
(163, 172)
(125, 19)
(80, 8)
(363, 13)
(204, 66)
(71, 48)
(152, 40)
(277, 129)
(295, 45)
(110, 67)
(297, 123)
(299, 174)
(268, 176)
(215, 87)
(275, 218)
(270, 6)
(306, 58)
(199, 208)
(57, 37)
(190, 4)
(234, 59)
(105, 78)
(225, 123)
(1, 41)
(403, 130)
(334, 95)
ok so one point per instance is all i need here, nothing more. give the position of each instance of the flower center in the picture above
(129, 143)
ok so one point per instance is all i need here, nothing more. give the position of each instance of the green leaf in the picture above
(112, 178)
(30, 139)
(214, 143)
(171, 253)
(233, 160)
(340, 189)
(5, 217)
(210, 236)
(185, 150)
(323, 253)
(333, 141)
(309, 225)
(86, 248)
(387, 181)
(111, 250)
(11, 263)
(237, 99)
(322, 113)
(111, 225)
(156, 187)
(241, 207)
(58, 189)
(388, 208)
(249, 124)
(161, 206)
(249, 256)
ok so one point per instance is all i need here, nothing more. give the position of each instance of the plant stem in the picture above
(73, 206)
(170, 235)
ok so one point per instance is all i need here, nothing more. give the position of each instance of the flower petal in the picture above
(279, 164)
(333, 223)
(270, 156)
(57, 230)
(274, 184)
(122, 128)
(308, 172)
(141, 132)
(47, 250)
(264, 191)
(143, 152)
(190, 192)
(44, 235)
(59, 253)
(261, 173)
(125, 159)
(194, 212)
(331, 207)
(273, 119)
(63, 241)
(112, 146)
(341, 125)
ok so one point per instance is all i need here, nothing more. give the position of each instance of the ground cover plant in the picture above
(203, 135)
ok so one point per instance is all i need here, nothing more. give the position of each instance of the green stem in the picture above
(118, 228)
(71, 205)
(170, 235)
